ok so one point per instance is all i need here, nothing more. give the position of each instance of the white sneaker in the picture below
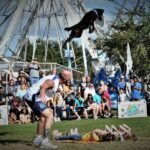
(71, 132)
(78, 118)
(55, 119)
(76, 131)
(95, 117)
(46, 144)
(37, 140)
(58, 119)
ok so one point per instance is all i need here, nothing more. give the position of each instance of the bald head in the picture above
(66, 75)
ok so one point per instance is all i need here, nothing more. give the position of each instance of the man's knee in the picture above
(48, 113)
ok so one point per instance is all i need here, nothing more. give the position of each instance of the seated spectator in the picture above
(66, 88)
(23, 76)
(11, 89)
(58, 106)
(21, 90)
(15, 107)
(106, 102)
(89, 89)
(24, 116)
(91, 105)
(71, 107)
(122, 95)
(79, 101)
(98, 100)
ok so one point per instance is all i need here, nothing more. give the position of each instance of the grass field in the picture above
(19, 137)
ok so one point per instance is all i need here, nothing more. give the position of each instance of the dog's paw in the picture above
(67, 29)
(91, 31)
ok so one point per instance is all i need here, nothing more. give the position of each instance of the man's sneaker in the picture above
(58, 119)
(45, 144)
(37, 140)
(79, 118)
(55, 119)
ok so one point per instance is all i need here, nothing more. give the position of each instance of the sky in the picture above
(109, 9)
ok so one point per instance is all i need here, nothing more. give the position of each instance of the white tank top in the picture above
(35, 89)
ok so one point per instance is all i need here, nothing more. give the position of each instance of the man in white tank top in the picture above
(37, 97)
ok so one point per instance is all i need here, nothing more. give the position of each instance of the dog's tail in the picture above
(67, 29)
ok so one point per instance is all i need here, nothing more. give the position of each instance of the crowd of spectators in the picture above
(71, 101)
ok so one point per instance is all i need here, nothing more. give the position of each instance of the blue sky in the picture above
(108, 6)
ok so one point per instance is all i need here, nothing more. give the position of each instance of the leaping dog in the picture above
(86, 22)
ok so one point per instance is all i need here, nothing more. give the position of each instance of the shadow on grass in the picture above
(4, 133)
(5, 142)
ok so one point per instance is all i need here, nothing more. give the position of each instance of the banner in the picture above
(132, 109)
(3, 115)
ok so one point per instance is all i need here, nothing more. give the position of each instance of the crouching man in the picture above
(37, 97)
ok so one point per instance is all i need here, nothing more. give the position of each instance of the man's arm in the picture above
(48, 84)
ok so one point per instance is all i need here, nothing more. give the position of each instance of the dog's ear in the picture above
(100, 13)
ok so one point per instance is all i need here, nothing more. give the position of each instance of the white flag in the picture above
(129, 62)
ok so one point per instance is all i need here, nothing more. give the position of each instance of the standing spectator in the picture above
(121, 84)
(88, 81)
(136, 92)
(146, 87)
(103, 86)
(34, 71)
(131, 83)
(122, 95)
(82, 86)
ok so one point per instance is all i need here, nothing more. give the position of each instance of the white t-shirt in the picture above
(122, 97)
(35, 89)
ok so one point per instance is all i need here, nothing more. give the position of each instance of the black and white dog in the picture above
(86, 22)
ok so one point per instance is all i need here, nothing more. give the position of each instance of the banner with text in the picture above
(132, 109)
(3, 115)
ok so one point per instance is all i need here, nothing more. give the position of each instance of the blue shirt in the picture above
(121, 85)
(79, 102)
(136, 93)
(97, 98)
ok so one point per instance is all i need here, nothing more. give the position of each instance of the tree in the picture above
(133, 26)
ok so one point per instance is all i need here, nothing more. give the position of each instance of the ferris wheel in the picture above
(44, 19)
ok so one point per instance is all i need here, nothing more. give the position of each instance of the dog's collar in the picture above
(96, 12)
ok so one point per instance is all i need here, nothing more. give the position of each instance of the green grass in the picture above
(20, 136)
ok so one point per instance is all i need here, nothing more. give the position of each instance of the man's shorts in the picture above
(37, 107)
